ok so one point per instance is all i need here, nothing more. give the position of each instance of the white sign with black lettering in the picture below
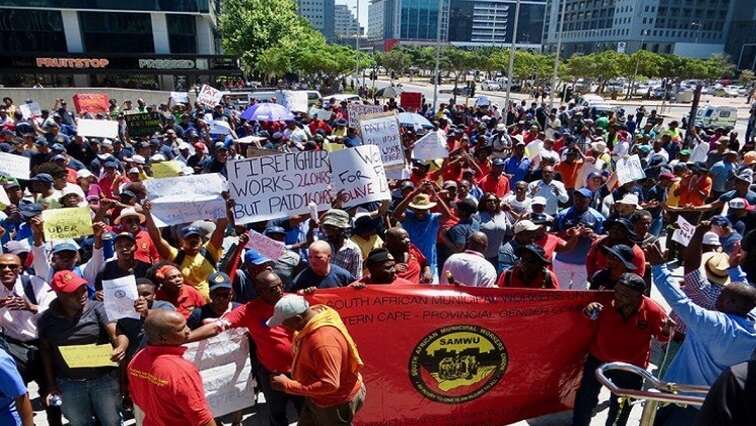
(382, 130)
(359, 175)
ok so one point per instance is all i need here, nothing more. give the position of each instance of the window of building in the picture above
(116, 32)
(31, 31)
(182, 33)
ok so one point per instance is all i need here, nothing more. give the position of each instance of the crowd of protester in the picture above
(528, 197)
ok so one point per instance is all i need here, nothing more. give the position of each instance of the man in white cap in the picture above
(524, 234)
(625, 207)
(553, 191)
(326, 367)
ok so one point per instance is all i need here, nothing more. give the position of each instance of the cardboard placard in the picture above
(359, 175)
(358, 111)
(209, 96)
(143, 124)
(184, 199)
(411, 101)
(629, 169)
(383, 130)
(66, 223)
(97, 128)
(268, 247)
(91, 102)
(431, 146)
(16, 166)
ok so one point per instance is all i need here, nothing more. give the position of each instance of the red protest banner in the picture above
(411, 101)
(464, 356)
(91, 102)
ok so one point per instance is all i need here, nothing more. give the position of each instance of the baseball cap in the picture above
(287, 307)
(127, 235)
(378, 255)
(18, 246)
(83, 173)
(275, 230)
(43, 178)
(538, 201)
(218, 280)
(337, 218)
(746, 177)
(65, 246)
(66, 282)
(629, 199)
(191, 230)
(721, 221)
(199, 146)
(739, 203)
(525, 225)
(29, 210)
(585, 192)
(254, 257)
(633, 281)
(711, 239)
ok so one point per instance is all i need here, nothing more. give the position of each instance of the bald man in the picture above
(470, 268)
(166, 388)
(320, 271)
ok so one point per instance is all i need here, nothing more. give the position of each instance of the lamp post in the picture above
(556, 59)
(438, 56)
(637, 62)
(511, 58)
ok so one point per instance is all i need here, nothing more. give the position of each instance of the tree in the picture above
(746, 77)
(249, 27)
(641, 63)
(458, 62)
(396, 61)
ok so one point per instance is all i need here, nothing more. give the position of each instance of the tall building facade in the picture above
(321, 14)
(414, 22)
(741, 39)
(149, 44)
(345, 23)
(695, 28)
(479, 23)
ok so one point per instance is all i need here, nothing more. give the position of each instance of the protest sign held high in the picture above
(61, 224)
(358, 172)
(166, 169)
(186, 198)
(281, 185)
(142, 124)
(97, 128)
(180, 97)
(430, 147)
(411, 101)
(268, 247)
(209, 96)
(358, 111)
(91, 102)
(16, 166)
(293, 100)
(119, 296)
(383, 130)
(465, 356)
(629, 169)
(31, 109)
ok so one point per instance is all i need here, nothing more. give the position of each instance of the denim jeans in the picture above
(587, 395)
(99, 398)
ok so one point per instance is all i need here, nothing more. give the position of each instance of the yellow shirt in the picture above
(367, 245)
(672, 199)
(196, 269)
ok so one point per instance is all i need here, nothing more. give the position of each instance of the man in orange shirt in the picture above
(326, 363)
(495, 181)
(570, 168)
(696, 188)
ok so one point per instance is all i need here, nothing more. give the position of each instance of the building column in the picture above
(72, 31)
(160, 33)
(205, 37)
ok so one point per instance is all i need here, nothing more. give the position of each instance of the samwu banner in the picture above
(462, 356)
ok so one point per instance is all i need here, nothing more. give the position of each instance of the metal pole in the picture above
(556, 59)
(692, 114)
(438, 56)
(511, 59)
(357, 46)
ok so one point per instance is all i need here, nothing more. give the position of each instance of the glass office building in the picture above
(476, 23)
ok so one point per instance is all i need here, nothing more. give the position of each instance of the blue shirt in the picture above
(424, 234)
(11, 387)
(720, 173)
(714, 340)
(337, 277)
(569, 218)
(518, 168)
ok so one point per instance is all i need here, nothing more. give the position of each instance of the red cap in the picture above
(66, 282)
(199, 146)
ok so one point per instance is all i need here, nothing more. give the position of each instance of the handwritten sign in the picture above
(219, 127)
(31, 109)
(274, 186)
(62, 224)
(119, 296)
(180, 97)
(430, 147)
(411, 101)
(226, 371)
(320, 114)
(166, 169)
(97, 128)
(186, 198)
(87, 356)
(143, 124)
(91, 102)
(684, 233)
(629, 169)
(358, 111)
(293, 100)
(209, 96)
(16, 166)
(358, 174)
(268, 247)
(382, 130)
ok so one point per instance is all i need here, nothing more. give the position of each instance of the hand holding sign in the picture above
(62, 224)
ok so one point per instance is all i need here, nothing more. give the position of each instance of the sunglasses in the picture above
(12, 267)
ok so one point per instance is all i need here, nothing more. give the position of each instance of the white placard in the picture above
(358, 111)
(180, 97)
(383, 130)
(30, 110)
(320, 114)
(430, 147)
(226, 370)
(293, 100)
(254, 140)
(16, 166)
(220, 127)
(4, 200)
(358, 172)
(185, 199)
(209, 96)
(97, 128)
(629, 169)
(119, 296)
(684, 233)
(533, 149)
(268, 247)
(273, 186)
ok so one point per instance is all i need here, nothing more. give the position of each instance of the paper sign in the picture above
(358, 111)
(16, 166)
(293, 100)
(62, 224)
(185, 199)
(383, 130)
(684, 233)
(282, 185)
(219, 127)
(358, 174)
(254, 140)
(411, 101)
(533, 149)
(97, 128)
(432, 146)
(4, 200)
(29, 110)
(166, 169)
(629, 169)
(268, 247)
(332, 146)
(87, 356)
(143, 124)
(119, 296)
(320, 114)
(226, 371)
(91, 102)
(209, 96)
(180, 97)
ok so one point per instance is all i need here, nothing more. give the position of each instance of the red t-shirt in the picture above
(499, 186)
(569, 172)
(549, 243)
(415, 264)
(273, 345)
(145, 248)
(596, 258)
(617, 339)
(167, 388)
(509, 279)
(188, 299)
